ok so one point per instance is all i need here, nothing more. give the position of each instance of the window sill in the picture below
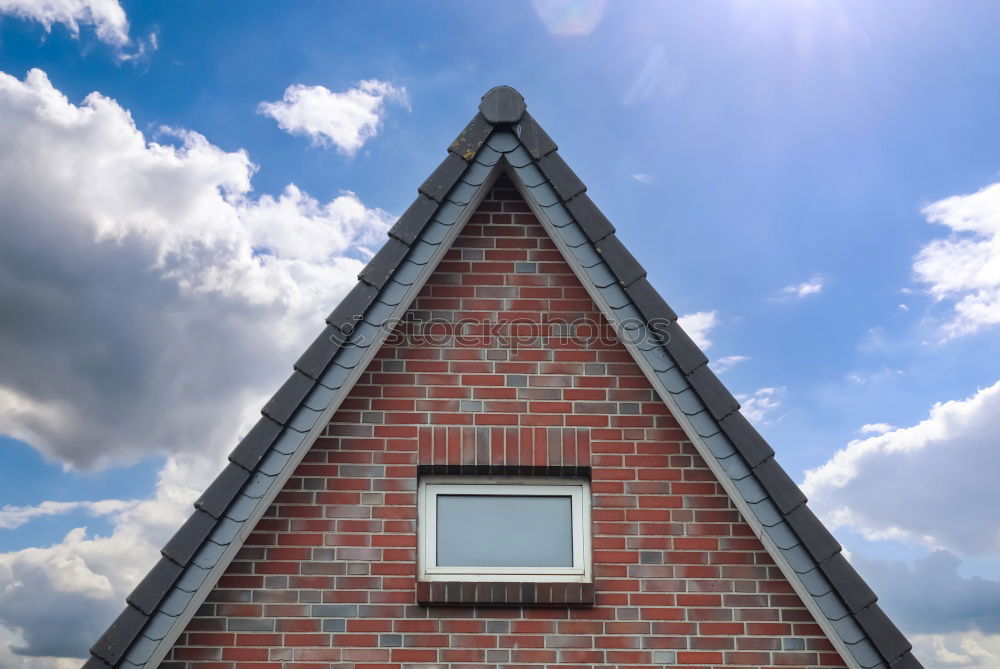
(485, 593)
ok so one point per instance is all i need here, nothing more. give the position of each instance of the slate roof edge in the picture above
(293, 397)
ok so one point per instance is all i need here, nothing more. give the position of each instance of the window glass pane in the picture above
(504, 531)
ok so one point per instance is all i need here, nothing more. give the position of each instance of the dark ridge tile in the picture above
(443, 178)
(649, 302)
(559, 174)
(94, 662)
(886, 637)
(183, 545)
(151, 589)
(217, 497)
(471, 138)
(412, 222)
(907, 661)
(746, 439)
(848, 584)
(352, 308)
(116, 640)
(682, 348)
(535, 140)
(621, 261)
(719, 401)
(502, 104)
(255, 444)
(321, 352)
(590, 219)
(779, 485)
(813, 534)
(384, 263)
(289, 397)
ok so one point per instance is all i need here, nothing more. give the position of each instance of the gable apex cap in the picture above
(502, 104)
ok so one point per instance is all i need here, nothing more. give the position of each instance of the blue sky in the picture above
(812, 183)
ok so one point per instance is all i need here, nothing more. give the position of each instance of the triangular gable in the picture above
(502, 138)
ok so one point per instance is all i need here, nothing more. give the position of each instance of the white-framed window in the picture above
(503, 529)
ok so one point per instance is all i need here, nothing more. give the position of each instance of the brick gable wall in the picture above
(328, 577)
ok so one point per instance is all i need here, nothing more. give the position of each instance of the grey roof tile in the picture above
(503, 142)
(883, 633)
(682, 348)
(471, 138)
(851, 587)
(189, 537)
(175, 602)
(119, 636)
(751, 490)
(766, 512)
(283, 403)
(412, 222)
(673, 379)
(383, 264)
(320, 353)
(140, 651)
(256, 442)
(194, 576)
(746, 439)
(518, 157)
(782, 535)
(158, 626)
(443, 178)
(688, 402)
(649, 302)
(722, 449)
(535, 140)
(94, 662)
(815, 537)
(544, 195)
(716, 396)
(151, 589)
(866, 654)
(502, 104)
(848, 630)
(620, 260)
(907, 661)
(354, 303)
(595, 224)
(462, 193)
(734, 466)
(817, 584)
(223, 489)
(304, 418)
(704, 424)
(831, 606)
(779, 485)
(563, 179)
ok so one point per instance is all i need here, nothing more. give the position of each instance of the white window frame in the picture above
(577, 490)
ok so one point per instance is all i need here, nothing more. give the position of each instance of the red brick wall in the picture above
(328, 577)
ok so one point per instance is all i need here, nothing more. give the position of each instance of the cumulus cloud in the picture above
(151, 304)
(15, 516)
(964, 268)
(698, 325)
(728, 362)
(55, 601)
(931, 596)
(106, 16)
(797, 291)
(145, 278)
(876, 428)
(345, 120)
(962, 650)
(760, 404)
(933, 483)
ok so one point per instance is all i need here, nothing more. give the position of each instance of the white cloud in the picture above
(933, 483)
(15, 516)
(961, 650)
(347, 119)
(643, 178)
(965, 267)
(107, 16)
(55, 601)
(151, 304)
(728, 362)
(876, 428)
(760, 404)
(797, 291)
(698, 325)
